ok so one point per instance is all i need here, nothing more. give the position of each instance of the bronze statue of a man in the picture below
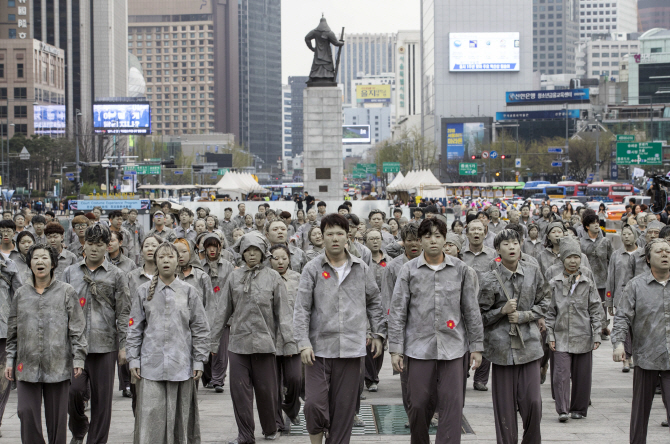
(324, 71)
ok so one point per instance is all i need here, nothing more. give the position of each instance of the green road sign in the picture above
(625, 138)
(467, 169)
(370, 168)
(222, 171)
(391, 167)
(359, 174)
(155, 159)
(642, 153)
(144, 169)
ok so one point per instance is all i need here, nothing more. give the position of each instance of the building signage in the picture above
(537, 115)
(373, 93)
(550, 96)
(643, 153)
(111, 204)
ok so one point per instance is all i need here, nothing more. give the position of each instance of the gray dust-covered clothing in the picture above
(188, 234)
(106, 304)
(616, 276)
(497, 228)
(480, 262)
(168, 336)
(314, 252)
(24, 269)
(219, 276)
(435, 313)
(65, 259)
(45, 337)
(645, 309)
(389, 278)
(202, 282)
(332, 318)
(599, 253)
(10, 282)
(574, 314)
(360, 251)
(128, 244)
(558, 268)
(123, 263)
(525, 258)
(227, 227)
(387, 239)
(547, 258)
(504, 345)
(137, 232)
(532, 248)
(291, 282)
(167, 234)
(136, 278)
(298, 258)
(256, 300)
(76, 248)
(378, 268)
(637, 265)
(303, 235)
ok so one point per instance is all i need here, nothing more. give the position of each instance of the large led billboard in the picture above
(49, 119)
(462, 136)
(356, 134)
(483, 51)
(122, 118)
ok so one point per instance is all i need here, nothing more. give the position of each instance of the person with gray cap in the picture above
(160, 230)
(453, 245)
(573, 331)
(549, 255)
(255, 298)
(532, 244)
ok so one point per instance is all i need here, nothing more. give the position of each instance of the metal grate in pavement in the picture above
(365, 414)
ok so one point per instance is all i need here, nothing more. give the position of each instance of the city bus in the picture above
(573, 189)
(553, 191)
(609, 190)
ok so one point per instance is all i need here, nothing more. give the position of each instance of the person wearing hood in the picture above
(255, 298)
(598, 249)
(277, 234)
(219, 270)
(191, 272)
(549, 255)
(532, 245)
(573, 332)
(44, 362)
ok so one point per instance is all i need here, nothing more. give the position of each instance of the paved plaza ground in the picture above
(607, 422)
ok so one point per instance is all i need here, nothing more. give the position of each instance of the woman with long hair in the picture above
(568, 212)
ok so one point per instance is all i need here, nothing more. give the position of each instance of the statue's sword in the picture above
(339, 52)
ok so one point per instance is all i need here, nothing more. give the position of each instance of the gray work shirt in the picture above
(574, 314)
(497, 228)
(314, 252)
(137, 232)
(389, 278)
(598, 252)
(239, 220)
(435, 313)
(332, 318)
(617, 276)
(227, 227)
(76, 248)
(525, 258)
(107, 312)
(45, 337)
(10, 282)
(168, 336)
(261, 316)
(298, 258)
(201, 281)
(123, 263)
(387, 239)
(532, 248)
(219, 278)
(65, 259)
(548, 258)
(637, 265)
(189, 234)
(360, 251)
(480, 262)
(291, 281)
(379, 267)
(645, 308)
(167, 234)
(528, 286)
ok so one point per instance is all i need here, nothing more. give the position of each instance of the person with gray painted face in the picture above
(377, 219)
(160, 229)
(643, 310)
(546, 218)
(24, 241)
(527, 258)
(277, 234)
(227, 225)
(356, 248)
(44, 357)
(512, 299)
(136, 231)
(104, 296)
(495, 225)
(167, 320)
(316, 239)
(116, 256)
(54, 232)
(337, 296)
(435, 321)
(184, 230)
(573, 331)
(255, 297)
(515, 218)
(128, 241)
(549, 255)
(532, 244)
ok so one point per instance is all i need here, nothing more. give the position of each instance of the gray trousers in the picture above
(248, 374)
(289, 377)
(29, 409)
(430, 388)
(331, 390)
(644, 387)
(577, 367)
(219, 362)
(517, 387)
(164, 410)
(4, 394)
(99, 372)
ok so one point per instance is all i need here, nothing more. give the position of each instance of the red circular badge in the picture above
(383, 263)
(82, 301)
(325, 274)
(451, 324)
(20, 367)
(131, 322)
(216, 289)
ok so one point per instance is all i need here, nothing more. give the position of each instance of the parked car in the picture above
(640, 200)
(615, 211)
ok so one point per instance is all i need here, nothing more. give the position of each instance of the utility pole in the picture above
(77, 128)
(567, 145)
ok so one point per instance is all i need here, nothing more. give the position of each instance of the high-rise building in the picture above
(260, 80)
(287, 127)
(298, 85)
(408, 74)
(190, 62)
(603, 56)
(653, 14)
(364, 55)
(555, 33)
(606, 17)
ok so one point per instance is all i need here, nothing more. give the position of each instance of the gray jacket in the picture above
(189, 234)
(10, 282)
(379, 268)
(65, 259)
(332, 318)
(548, 258)
(532, 248)
(480, 262)
(201, 281)
(45, 337)
(389, 279)
(167, 234)
(291, 281)
(123, 263)
(77, 249)
(227, 228)
(435, 314)
(219, 278)
(107, 310)
(168, 336)
(137, 232)
(617, 276)
(495, 229)
(256, 299)
(574, 313)
(598, 252)
(529, 288)
(644, 309)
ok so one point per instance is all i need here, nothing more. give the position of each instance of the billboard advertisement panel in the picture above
(355, 134)
(373, 93)
(122, 118)
(461, 136)
(483, 51)
(49, 119)
(547, 96)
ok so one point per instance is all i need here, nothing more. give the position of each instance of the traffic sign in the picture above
(70, 178)
(614, 172)
(494, 154)
(24, 154)
(370, 168)
(625, 137)
(557, 164)
(467, 169)
(555, 149)
(222, 171)
(517, 163)
(178, 172)
(132, 173)
(641, 153)
(69, 174)
(213, 177)
(127, 177)
(391, 167)
(485, 154)
(144, 169)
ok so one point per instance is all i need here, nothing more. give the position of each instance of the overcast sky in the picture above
(356, 16)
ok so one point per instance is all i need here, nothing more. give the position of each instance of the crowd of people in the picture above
(302, 308)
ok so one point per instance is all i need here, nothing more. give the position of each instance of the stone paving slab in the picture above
(607, 422)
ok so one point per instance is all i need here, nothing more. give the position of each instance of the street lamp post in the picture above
(567, 136)
(77, 127)
(597, 175)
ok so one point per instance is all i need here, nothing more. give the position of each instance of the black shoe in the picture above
(664, 423)
(480, 387)
(295, 421)
(218, 389)
(563, 417)
(575, 415)
(209, 385)
(126, 393)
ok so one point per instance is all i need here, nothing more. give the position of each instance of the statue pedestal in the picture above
(323, 172)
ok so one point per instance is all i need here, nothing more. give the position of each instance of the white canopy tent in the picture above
(228, 184)
(243, 183)
(419, 182)
(398, 179)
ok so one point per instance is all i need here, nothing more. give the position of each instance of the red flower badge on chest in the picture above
(82, 301)
(383, 263)
(325, 275)
(609, 294)
(216, 289)
(20, 367)
(451, 324)
(131, 322)
(498, 259)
